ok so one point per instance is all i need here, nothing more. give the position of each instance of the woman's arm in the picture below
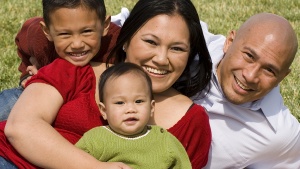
(29, 130)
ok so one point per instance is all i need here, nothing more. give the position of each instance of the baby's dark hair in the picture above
(50, 6)
(119, 70)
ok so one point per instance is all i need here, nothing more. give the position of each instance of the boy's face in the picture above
(128, 105)
(76, 34)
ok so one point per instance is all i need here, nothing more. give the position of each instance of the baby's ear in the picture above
(102, 110)
(46, 30)
(152, 108)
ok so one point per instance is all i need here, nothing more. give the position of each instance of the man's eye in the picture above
(269, 70)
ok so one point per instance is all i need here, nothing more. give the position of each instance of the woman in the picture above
(162, 36)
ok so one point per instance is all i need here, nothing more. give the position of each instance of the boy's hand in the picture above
(32, 70)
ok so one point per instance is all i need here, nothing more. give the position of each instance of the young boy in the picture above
(127, 105)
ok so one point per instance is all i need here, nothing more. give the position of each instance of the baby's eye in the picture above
(119, 102)
(139, 101)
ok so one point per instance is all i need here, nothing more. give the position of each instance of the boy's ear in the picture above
(106, 25)
(102, 110)
(229, 40)
(46, 30)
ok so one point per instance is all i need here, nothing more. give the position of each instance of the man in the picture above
(250, 125)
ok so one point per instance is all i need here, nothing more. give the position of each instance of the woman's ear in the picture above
(106, 25)
(229, 40)
(102, 110)
(46, 30)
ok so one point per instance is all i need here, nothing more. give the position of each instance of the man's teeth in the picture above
(156, 71)
(241, 85)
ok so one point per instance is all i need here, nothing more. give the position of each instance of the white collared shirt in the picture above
(261, 134)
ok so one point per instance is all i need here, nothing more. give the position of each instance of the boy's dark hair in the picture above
(119, 70)
(197, 73)
(50, 6)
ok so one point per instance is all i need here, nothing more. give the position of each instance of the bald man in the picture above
(251, 127)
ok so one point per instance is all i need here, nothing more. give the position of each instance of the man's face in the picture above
(252, 65)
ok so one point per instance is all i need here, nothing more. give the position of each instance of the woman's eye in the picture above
(150, 42)
(177, 49)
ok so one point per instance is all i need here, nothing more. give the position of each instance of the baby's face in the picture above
(128, 104)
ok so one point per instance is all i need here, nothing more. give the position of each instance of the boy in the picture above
(127, 105)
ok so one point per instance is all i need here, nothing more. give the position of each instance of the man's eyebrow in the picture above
(252, 51)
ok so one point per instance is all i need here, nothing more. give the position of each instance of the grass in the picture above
(221, 17)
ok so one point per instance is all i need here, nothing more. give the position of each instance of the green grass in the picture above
(221, 17)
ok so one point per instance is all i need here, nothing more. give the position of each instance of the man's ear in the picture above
(102, 110)
(229, 40)
(106, 25)
(46, 30)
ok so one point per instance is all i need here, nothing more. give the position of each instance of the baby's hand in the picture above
(115, 165)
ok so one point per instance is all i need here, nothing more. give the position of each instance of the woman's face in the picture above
(162, 48)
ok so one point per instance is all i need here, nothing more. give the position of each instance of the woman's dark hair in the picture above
(50, 6)
(119, 70)
(197, 73)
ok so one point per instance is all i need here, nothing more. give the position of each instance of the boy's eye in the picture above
(87, 31)
(63, 34)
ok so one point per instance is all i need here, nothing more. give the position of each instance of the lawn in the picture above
(221, 17)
